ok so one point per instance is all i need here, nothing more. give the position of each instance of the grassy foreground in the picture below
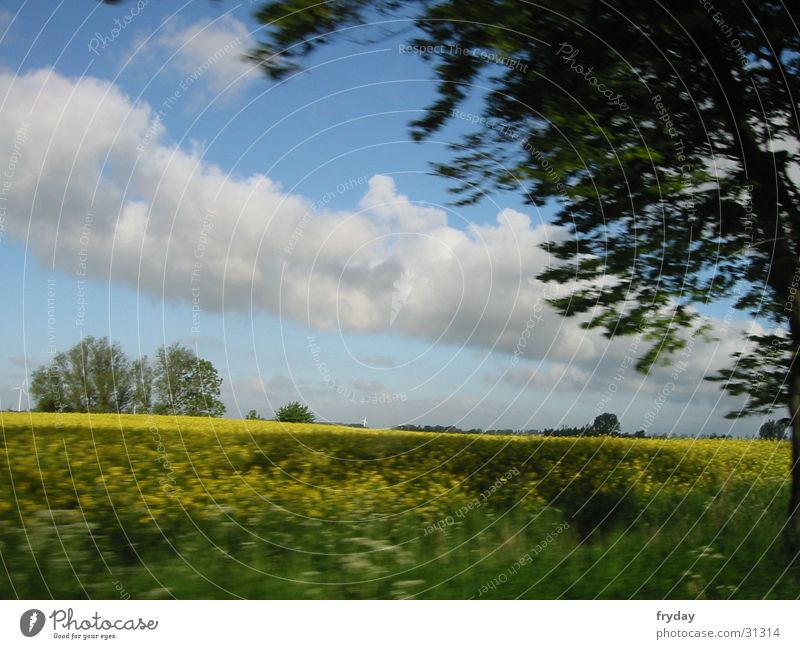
(151, 507)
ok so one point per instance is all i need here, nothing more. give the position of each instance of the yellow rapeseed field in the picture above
(153, 468)
(192, 507)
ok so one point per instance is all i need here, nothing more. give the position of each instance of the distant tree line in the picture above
(606, 424)
(95, 375)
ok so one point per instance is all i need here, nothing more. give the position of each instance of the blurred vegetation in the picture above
(201, 507)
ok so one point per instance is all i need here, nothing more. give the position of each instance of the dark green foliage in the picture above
(773, 429)
(253, 415)
(295, 412)
(606, 424)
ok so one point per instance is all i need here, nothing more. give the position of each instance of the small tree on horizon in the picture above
(606, 424)
(295, 412)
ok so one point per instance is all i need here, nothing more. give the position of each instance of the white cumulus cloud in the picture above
(208, 53)
(86, 195)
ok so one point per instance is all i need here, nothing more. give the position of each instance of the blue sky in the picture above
(332, 267)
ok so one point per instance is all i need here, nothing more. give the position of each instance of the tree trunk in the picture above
(794, 412)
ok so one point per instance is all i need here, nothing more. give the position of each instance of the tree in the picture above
(92, 376)
(143, 375)
(253, 415)
(49, 386)
(295, 412)
(186, 384)
(109, 376)
(96, 376)
(664, 132)
(606, 424)
(773, 429)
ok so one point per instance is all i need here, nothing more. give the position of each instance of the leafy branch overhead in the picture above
(663, 136)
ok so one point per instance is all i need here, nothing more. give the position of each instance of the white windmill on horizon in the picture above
(364, 423)
(22, 390)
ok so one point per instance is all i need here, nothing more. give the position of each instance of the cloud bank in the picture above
(93, 187)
